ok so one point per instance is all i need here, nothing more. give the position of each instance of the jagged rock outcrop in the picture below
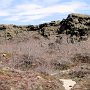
(77, 25)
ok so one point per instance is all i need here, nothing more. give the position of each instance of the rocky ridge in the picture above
(77, 26)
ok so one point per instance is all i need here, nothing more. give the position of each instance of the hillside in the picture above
(37, 57)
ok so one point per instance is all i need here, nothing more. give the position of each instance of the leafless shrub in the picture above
(59, 40)
(78, 58)
(25, 62)
(51, 45)
(78, 74)
(59, 66)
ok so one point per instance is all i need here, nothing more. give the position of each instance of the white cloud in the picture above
(25, 18)
(28, 7)
(3, 13)
(46, 2)
(13, 18)
(30, 11)
(34, 17)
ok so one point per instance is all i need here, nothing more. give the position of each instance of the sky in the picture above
(26, 12)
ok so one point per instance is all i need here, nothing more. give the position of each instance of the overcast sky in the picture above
(39, 11)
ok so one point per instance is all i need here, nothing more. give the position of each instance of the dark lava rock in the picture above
(76, 25)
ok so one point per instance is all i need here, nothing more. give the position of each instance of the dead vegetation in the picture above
(79, 58)
(36, 57)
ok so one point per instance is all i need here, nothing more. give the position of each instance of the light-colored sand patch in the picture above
(68, 83)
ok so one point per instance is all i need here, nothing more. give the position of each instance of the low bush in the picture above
(78, 58)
